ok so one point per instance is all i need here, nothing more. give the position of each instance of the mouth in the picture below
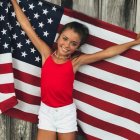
(64, 49)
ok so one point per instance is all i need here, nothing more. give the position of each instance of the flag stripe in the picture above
(104, 105)
(125, 72)
(103, 115)
(106, 86)
(7, 88)
(18, 113)
(26, 67)
(5, 58)
(5, 68)
(98, 133)
(28, 108)
(99, 23)
(106, 76)
(27, 97)
(27, 88)
(111, 128)
(27, 78)
(7, 104)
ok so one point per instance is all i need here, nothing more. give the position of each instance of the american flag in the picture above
(106, 93)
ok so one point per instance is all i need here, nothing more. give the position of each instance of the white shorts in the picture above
(61, 119)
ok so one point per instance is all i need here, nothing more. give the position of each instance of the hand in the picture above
(138, 38)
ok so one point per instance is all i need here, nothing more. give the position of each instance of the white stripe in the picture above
(107, 96)
(27, 88)
(27, 68)
(110, 77)
(119, 60)
(6, 78)
(100, 32)
(6, 96)
(98, 133)
(108, 117)
(5, 58)
(28, 108)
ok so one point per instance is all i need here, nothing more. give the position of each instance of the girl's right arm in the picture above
(40, 45)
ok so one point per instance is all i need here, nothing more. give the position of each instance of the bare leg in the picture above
(67, 136)
(46, 135)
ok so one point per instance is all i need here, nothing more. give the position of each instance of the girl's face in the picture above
(68, 42)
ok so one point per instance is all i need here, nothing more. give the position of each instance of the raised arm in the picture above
(107, 53)
(40, 45)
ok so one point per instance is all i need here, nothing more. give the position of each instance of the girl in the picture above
(57, 113)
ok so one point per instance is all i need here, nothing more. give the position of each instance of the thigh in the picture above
(46, 135)
(67, 136)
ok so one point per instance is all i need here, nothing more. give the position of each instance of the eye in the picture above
(65, 38)
(74, 44)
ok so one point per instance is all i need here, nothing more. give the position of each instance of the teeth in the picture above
(64, 49)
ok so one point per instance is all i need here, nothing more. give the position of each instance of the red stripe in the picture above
(15, 113)
(6, 68)
(116, 69)
(99, 23)
(8, 104)
(112, 88)
(27, 78)
(120, 131)
(106, 106)
(7, 88)
(27, 98)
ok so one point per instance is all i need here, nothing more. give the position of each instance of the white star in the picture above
(6, 10)
(13, 14)
(17, 23)
(9, 5)
(23, 54)
(12, 49)
(22, 33)
(4, 31)
(28, 41)
(36, 16)
(19, 1)
(2, 17)
(31, 6)
(46, 34)
(1, 4)
(50, 20)
(10, 38)
(45, 12)
(40, 3)
(41, 24)
(54, 8)
(15, 36)
(23, 10)
(5, 45)
(19, 45)
(10, 27)
(37, 59)
(33, 50)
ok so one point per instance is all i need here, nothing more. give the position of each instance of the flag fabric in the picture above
(106, 93)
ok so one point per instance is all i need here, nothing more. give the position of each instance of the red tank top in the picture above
(57, 83)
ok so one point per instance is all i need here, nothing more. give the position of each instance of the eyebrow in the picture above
(72, 41)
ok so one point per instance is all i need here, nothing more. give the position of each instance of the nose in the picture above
(67, 44)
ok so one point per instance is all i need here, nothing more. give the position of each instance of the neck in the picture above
(61, 57)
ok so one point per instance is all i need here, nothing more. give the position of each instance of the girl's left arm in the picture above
(107, 53)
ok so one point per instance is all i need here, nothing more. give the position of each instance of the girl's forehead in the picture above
(70, 33)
